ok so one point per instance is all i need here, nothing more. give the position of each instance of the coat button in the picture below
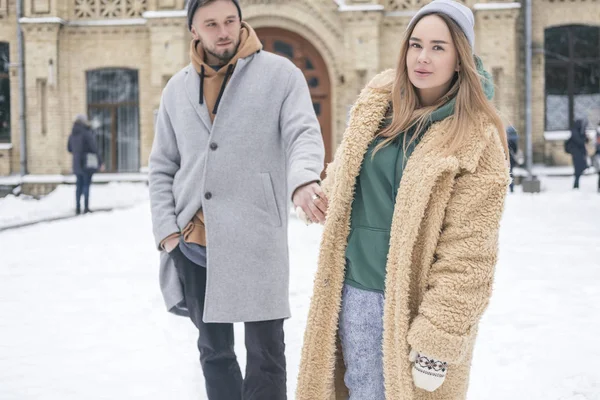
(213, 146)
(208, 195)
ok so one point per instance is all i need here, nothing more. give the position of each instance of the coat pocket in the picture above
(270, 200)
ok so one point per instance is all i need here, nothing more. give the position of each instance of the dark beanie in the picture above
(193, 6)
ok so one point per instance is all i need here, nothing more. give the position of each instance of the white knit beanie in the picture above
(459, 13)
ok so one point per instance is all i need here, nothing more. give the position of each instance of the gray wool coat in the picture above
(242, 170)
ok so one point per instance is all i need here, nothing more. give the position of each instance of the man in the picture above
(236, 140)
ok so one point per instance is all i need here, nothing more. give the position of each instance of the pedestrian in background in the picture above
(513, 148)
(87, 160)
(597, 154)
(575, 146)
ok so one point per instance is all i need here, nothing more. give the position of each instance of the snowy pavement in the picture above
(60, 204)
(81, 316)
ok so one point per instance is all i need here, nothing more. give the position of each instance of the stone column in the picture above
(497, 43)
(44, 111)
(362, 49)
(169, 44)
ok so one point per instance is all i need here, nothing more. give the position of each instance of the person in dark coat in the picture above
(576, 147)
(513, 147)
(82, 144)
(597, 154)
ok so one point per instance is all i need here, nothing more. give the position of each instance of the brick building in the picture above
(110, 59)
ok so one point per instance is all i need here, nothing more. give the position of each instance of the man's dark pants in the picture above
(265, 377)
(82, 187)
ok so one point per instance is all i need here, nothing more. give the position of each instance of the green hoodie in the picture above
(374, 199)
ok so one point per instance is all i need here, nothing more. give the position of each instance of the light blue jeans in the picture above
(361, 334)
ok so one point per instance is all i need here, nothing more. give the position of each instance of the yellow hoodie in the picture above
(212, 82)
(212, 85)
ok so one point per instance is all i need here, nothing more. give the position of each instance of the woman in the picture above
(86, 160)
(415, 195)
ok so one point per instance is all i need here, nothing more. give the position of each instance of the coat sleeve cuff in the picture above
(301, 178)
(425, 337)
(161, 246)
(164, 232)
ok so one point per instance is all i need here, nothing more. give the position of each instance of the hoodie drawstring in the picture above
(227, 74)
(202, 84)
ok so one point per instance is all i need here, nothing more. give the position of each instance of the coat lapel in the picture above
(192, 89)
(236, 83)
(425, 168)
(364, 121)
(366, 115)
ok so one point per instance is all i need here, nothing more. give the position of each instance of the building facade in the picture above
(110, 59)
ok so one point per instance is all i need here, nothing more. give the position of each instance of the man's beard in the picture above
(226, 55)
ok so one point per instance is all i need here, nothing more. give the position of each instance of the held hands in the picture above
(311, 203)
(428, 374)
(302, 216)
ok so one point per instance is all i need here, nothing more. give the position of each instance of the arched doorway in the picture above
(304, 55)
(113, 108)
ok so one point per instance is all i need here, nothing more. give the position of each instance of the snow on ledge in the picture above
(59, 179)
(108, 22)
(557, 135)
(565, 134)
(45, 20)
(10, 180)
(366, 7)
(43, 179)
(343, 7)
(165, 14)
(410, 13)
(92, 22)
(496, 6)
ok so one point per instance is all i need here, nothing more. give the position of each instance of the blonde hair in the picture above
(466, 88)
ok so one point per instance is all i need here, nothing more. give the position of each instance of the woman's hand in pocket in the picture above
(428, 373)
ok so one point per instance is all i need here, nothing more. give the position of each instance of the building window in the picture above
(113, 108)
(317, 107)
(4, 94)
(283, 48)
(572, 56)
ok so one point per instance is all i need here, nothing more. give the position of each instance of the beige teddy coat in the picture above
(440, 265)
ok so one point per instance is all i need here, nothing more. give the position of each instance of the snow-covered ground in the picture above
(17, 210)
(81, 316)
